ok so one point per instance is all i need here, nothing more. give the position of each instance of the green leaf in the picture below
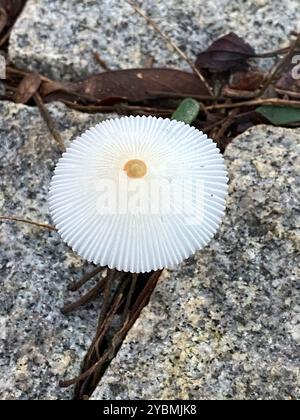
(187, 111)
(279, 115)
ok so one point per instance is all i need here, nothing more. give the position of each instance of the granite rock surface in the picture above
(226, 325)
(60, 38)
(38, 345)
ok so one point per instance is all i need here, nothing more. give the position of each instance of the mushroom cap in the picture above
(139, 193)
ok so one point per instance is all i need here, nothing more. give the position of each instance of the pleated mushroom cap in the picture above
(139, 193)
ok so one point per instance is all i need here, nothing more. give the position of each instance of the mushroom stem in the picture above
(106, 296)
(86, 298)
(129, 298)
(84, 279)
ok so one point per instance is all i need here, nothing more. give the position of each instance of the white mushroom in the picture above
(139, 193)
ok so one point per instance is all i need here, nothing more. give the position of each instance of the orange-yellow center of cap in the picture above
(135, 168)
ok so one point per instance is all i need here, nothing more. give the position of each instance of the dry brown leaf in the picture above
(132, 85)
(250, 80)
(227, 52)
(3, 19)
(27, 88)
(12, 8)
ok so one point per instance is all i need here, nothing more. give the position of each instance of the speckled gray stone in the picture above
(38, 345)
(59, 38)
(226, 325)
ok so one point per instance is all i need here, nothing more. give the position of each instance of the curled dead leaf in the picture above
(244, 84)
(250, 80)
(227, 52)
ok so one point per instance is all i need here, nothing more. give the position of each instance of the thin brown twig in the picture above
(76, 96)
(105, 323)
(84, 279)
(98, 337)
(86, 374)
(256, 102)
(88, 297)
(147, 291)
(101, 62)
(5, 37)
(129, 297)
(28, 221)
(278, 66)
(48, 120)
(3, 19)
(115, 306)
(209, 127)
(93, 352)
(171, 43)
(292, 93)
(10, 88)
(149, 63)
(239, 94)
(114, 108)
(121, 333)
(227, 123)
(106, 295)
(24, 73)
(6, 98)
(269, 54)
(161, 94)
